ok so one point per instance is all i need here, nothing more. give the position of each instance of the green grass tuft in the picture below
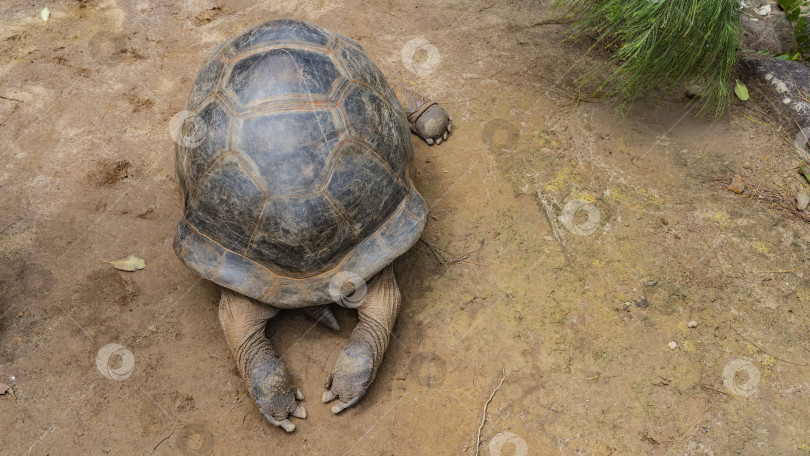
(657, 44)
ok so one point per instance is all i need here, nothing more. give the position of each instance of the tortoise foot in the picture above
(353, 374)
(276, 400)
(433, 125)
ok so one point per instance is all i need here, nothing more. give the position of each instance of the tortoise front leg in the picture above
(359, 361)
(428, 120)
(243, 321)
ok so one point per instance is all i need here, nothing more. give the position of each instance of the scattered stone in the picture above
(737, 185)
(672, 345)
(694, 91)
(802, 199)
(692, 324)
(652, 283)
(20, 315)
(642, 302)
(763, 10)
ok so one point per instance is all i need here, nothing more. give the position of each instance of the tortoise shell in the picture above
(295, 165)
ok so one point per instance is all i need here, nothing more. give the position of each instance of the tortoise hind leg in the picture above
(359, 361)
(428, 120)
(243, 321)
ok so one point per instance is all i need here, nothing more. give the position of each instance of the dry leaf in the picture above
(130, 263)
(802, 199)
(737, 185)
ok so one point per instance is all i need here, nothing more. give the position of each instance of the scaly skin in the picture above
(359, 361)
(243, 321)
(427, 119)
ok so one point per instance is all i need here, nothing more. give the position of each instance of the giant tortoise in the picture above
(297, 192)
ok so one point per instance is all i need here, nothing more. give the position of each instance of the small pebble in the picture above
(12, 378)
(672, 345)
(692, 324)
(694, 91)
(19, 315)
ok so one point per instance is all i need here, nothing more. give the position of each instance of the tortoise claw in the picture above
(341, 406)
(429, 141)
(285, 424)
(444, 135)
(438, 141)
(299, 412)
(328, 396)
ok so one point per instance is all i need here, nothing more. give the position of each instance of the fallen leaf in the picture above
(45, 14)
(130, 263)
(805, 172)
(737, 185)
(741, 91)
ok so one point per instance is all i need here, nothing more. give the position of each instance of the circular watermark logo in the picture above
(429, 369)
(195, 440)
(586, 227)
(741, 377)
(421, 66)
(37, 280)
(107, 362)
(347, 289)
(187, 129)
(107, 48)
(500, 134)
(801, 142)
(508, 438)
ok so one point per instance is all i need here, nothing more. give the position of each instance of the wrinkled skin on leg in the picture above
(359, 361)
(243, 321)
(428, 120)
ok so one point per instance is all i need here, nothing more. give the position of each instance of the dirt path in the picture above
(583, 337)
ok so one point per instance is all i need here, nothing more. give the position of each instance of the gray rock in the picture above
(781, 87)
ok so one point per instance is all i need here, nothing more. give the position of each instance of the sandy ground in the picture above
(582, 336)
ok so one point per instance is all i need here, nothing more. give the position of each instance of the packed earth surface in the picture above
(595, 263)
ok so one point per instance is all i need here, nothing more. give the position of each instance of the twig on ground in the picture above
(11, 99)
(766, 351)
(484, 417)
(786, 271)
(161, 442)
(769, 194)
(443, 260)
(554, 230)
(706, 387)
